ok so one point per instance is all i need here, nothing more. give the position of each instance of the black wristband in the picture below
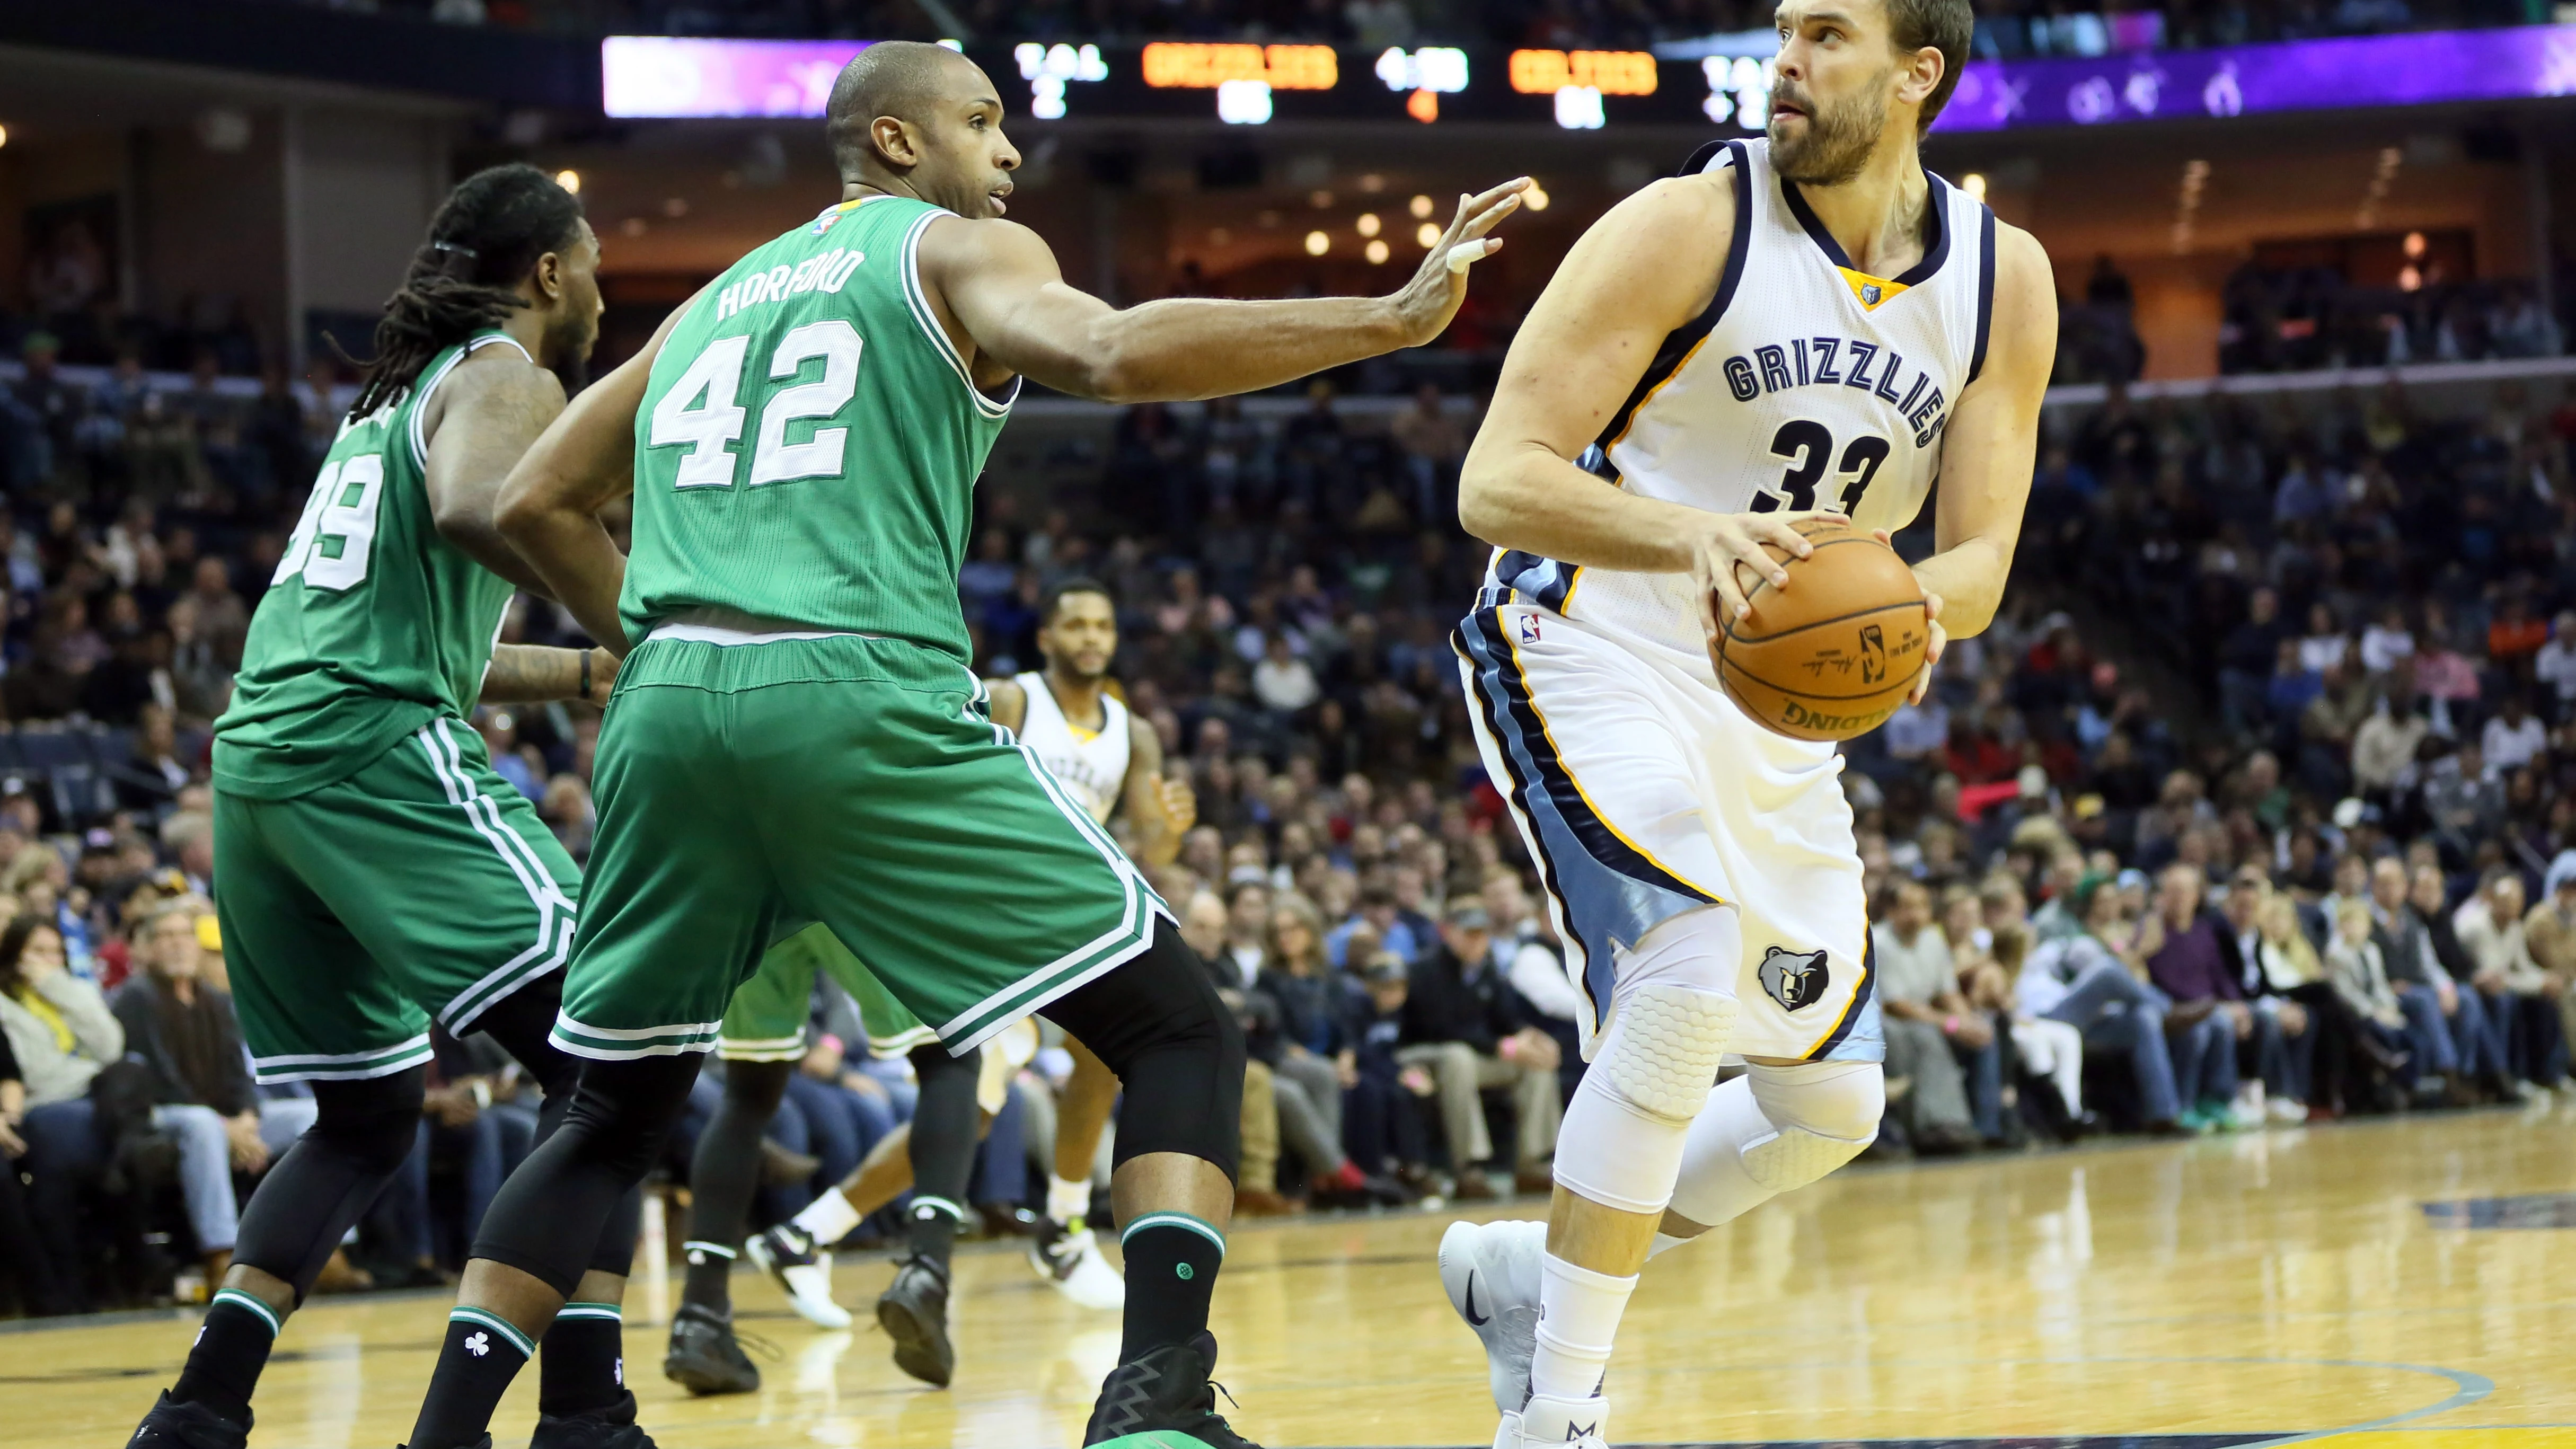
(585, 674)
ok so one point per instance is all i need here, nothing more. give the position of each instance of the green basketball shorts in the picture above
(749, 789)
(421, 887)
(765, 1022)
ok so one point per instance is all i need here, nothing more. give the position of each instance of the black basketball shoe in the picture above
(704, 1357)
(611, 1428)
(914, 1313)
(1168, 1388)
(173, 1425)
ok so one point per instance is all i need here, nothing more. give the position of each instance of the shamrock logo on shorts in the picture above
(479, 1344)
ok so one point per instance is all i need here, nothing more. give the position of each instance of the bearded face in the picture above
(1826, 144)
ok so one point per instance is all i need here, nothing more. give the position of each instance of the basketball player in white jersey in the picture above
(1112, 763)
(1809, 321)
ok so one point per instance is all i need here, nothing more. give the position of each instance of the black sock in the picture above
(224, 1363)
(709, 1283)
(930, 1227)
(482, 1354)
(584, 1363)
(1172, 1260)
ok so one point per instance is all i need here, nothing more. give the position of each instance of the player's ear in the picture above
(1919, 75)
(548, 277)
(895, 141)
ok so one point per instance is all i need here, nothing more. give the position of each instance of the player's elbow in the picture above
(518, 514)
(1484, 497)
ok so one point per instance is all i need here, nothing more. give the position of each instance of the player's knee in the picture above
(369, 1125)
(1824, 1115)
(1660, 1056)
(756, 1087)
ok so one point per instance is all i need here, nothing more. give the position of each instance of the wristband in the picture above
(585, 674)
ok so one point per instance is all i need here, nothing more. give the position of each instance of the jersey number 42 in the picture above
(702, 413)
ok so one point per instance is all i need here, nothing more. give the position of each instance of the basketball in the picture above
(1835, 653)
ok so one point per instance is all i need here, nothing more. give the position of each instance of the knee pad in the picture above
(1824, 1114)
(1621, 1144)
(368, 1125)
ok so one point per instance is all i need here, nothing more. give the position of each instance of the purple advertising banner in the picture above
(653, 75)
(2380, 70)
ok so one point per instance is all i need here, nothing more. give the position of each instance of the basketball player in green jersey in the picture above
(1111, 763)
(797, 735)
(372, 873)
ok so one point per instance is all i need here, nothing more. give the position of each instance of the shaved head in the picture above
(899, 78)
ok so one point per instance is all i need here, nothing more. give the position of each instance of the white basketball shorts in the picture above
(1644, 792)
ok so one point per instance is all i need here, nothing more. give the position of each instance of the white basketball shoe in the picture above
(1491, 1271)
(1070, 1259)
(1546, 1423)
(804, 1269)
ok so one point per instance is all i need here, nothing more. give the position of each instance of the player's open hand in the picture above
(1728, 539)
(1180, 803)
(1428, 301)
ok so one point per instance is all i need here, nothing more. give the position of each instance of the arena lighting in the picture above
(1317, 243)
(569, 180)
(1535, 198)
(1420, 206)
(1610, 72)
(1369, 225)
(4, 135)
(1376, 252)
(1199, 65)
(1974, 183)
(1427, 235)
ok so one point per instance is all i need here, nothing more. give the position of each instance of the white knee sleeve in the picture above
(1825, 1114)
(1774, 1129)
(1621, 1144)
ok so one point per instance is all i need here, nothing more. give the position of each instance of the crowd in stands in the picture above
(2252, 807)
(2006, 29)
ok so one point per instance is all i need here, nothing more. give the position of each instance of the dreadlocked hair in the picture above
(486, 236)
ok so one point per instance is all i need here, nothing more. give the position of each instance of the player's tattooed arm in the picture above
(1992, 442)
(1159, 811)
(491, 408)
(536, 673)
(549, 507)
(1004, 302)
(1647, 267)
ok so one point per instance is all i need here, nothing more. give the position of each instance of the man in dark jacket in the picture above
(2446, 1026)
(2281, 1051)
(1463, 1025)
(182, 1030)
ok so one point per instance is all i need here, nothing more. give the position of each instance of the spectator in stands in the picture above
(2481, 948)
(1311, 1063)
(2514, 738)
(1526, 948)
(27, 1259)
(2549, 933)
(1462, 1024)
(2446, 1027)
(2092, 980)
(1382, 1125)
(183, 1030)
(64, 1038)
(2280, 1053)
(2209, 1015)
(1928, 1022)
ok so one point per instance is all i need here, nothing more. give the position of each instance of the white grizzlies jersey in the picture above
(1092, 766)
(1806, 384)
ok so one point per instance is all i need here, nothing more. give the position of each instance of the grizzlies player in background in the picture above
(798, 737)
(1806, 321)
(372, 873)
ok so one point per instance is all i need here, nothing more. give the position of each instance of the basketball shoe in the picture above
(1166, 1388)
(704, 1356)
(1546, 1423)
(1491, 1271)
(803, 1269)
(1069, 1258)
(914, 1313)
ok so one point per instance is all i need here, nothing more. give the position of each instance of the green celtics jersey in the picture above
(373, 623)
(809, 442)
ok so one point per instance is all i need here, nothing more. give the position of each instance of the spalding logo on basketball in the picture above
(1832, 655)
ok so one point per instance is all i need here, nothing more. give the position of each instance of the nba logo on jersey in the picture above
(1794, 979)
(1529, 628)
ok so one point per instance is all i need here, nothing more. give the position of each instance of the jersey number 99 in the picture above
(701, 413)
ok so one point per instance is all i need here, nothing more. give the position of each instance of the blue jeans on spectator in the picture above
(2285, 1063)
(832, 1123)
(2204, 1059)
(2428, 1036)
(2118, 1012)
(1984, 1069)
(1002, 1163)
(2535, 1045)
(62, 1141)
(2479, 1033)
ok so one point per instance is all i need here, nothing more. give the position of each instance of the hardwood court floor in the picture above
(2399, 1285)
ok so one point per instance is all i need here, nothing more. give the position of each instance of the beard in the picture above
(1837, 140)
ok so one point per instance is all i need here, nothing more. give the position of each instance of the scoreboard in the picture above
(1248, 84)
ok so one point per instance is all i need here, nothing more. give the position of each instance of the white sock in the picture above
(1577, 1319)
(1067, 1202)
(828, 1219)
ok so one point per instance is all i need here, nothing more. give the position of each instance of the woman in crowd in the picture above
(2289, 968)
(63, 1037)
(1315, 1065)
(2360, 977)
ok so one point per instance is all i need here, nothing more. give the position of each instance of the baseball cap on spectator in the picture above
(1384, 967)
(2088, 806)
(2087, 888)
(2562, 873)
(2133, 879)
(1468, 914)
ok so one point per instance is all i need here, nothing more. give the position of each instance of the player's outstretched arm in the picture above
(1647, 267)
(537, 673)
(549, 507)
(491, 408)
(997, 281)
(1992, 442)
